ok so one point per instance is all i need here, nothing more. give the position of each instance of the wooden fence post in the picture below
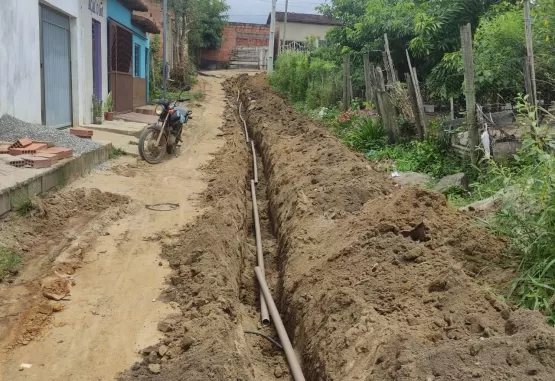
(394, 79)
(349, 82)
(387, 110)
(346, 75)
(470, 92)
(374, 87)
(369, 74)
(387, 69)
(530, 71)
(414, 104)
(367, 81)
(421, 114)
(452, 103)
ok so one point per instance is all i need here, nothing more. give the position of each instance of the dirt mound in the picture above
(375, 281)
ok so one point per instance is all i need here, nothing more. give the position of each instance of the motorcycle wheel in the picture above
(148, 149)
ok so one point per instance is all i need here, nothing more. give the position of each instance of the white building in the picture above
(52, 59)
(301, 26)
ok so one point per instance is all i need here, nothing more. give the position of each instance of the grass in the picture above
(117, 152)
(9, 262)
(24, 207)
(429, 156)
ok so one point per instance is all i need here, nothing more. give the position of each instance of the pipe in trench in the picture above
(259, 254)
(290, 354)
(244, 123)
(254, 164)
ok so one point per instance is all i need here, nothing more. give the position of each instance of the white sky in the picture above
(256, 11)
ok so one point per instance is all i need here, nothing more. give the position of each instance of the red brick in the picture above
(81, 132)
(21, 143)
(33, 148)
(15, 162)
(63, 152)
(4, 149)
(36, 162)
(53, 157)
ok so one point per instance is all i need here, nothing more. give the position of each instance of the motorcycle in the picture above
(164, 137)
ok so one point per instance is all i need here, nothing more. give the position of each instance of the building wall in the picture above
(300, 31)
(20, 89)
(85, 75)
(234, 35)
(119, 13)
(155, 8)
(20, 79)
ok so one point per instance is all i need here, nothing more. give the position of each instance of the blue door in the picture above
(97, 58)
(56, 68)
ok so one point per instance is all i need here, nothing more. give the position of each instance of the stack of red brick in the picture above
(27, 153)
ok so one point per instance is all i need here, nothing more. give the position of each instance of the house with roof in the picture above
(58, 54)
(301, 26)
(128, 54)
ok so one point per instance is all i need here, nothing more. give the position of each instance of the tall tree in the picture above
(197, 24)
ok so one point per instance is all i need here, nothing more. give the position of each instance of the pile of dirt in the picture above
(51, 240)
(205, 341)
(375, 282)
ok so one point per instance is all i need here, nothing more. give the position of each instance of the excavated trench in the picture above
(372, 281)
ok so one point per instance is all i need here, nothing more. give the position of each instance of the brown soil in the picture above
(213, 282)
(51, 228)
(374, 282)
(373, 277)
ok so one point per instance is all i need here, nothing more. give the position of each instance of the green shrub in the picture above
(24, 207)
(302, 79)
(9, 262)
(430, 156)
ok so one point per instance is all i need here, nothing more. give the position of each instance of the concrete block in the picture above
(34, 188)
(59, 175)
(5, 204)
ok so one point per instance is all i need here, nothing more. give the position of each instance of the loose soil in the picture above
(374, 282)
(96, 246)
(374, 285)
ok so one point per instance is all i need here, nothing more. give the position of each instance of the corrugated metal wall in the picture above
(56, 68)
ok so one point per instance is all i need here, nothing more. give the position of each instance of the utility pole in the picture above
(164, 63)
(284, 25)
(530, 54)
(272, 38)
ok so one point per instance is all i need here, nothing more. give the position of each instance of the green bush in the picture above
(302, 79)
(527, 218)
(430, 156)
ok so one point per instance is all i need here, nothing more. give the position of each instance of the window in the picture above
(137, 60)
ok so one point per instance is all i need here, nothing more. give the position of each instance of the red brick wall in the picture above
(237, 34)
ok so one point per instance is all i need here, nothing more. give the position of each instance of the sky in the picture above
(256, 11)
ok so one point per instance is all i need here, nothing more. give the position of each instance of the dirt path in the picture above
(115, 304)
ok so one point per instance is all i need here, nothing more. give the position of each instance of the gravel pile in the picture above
(12, 129)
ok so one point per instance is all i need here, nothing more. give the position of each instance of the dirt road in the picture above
(116, 302)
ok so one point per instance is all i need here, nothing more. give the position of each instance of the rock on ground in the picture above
(459, 180)
(413, 179)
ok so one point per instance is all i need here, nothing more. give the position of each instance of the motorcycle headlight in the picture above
(158, 110)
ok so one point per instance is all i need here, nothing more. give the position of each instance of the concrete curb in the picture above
(59, 175)
(119, 131)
